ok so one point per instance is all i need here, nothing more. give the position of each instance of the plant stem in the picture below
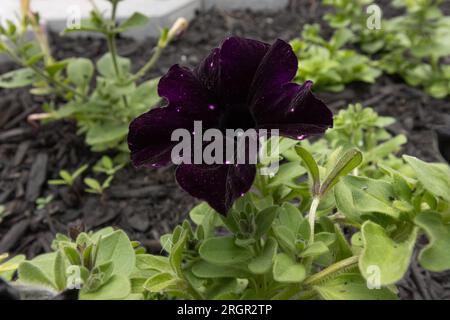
(111, 41)
(42, 74)
(312, 217)
(153, 59)
(336, 267)
(113, 51)
(57, 83)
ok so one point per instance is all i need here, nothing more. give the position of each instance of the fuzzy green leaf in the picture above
(436, 255)
(434, 177)
(287, 270)
(384, 260)
(223, 250)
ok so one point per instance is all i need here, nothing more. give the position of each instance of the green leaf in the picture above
(8, 268)
(313, 169)
(223, 250)
(17, 79)
(176, 254)
(385, 149)
(93, 184)
(105, 66)
(79, 171)
(434, 177)
(66, 176)
(287, 270)
(116, 247)
(286, 175)
(286, 238)
(152, 262)
(349, 161)
(356, 196)
(145, 96)
(315, 249)
(159, 282)
(204, 269)
(351, 286)
(60, 271)
(199, 212)
(341, 248)
(264, 221)
(56, 67)
(118, 287)
(436, 254)
(102, 134)
(263, 263)
(80, 71)
(30, 273)
(384, 260)
(135, 21)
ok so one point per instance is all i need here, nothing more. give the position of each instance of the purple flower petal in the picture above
(208, 71)
(149, 137)
(186, 94)
(219, 185)
(278, 67)
(294, 110)
(239, 60)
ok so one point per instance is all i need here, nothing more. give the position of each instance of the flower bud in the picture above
(178, 28)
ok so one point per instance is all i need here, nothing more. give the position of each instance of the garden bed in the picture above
(145, 203)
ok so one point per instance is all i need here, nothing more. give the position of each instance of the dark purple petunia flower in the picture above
(243, 84)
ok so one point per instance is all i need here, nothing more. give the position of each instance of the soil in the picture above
(145, 203)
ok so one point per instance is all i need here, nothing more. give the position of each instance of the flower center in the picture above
(237, 117)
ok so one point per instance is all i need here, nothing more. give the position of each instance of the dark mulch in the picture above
(148, 203)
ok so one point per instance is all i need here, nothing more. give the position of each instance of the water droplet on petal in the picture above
(211, 107)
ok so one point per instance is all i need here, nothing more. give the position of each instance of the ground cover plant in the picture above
(413, 45)
(102, 113)
(311, 231)
(333, 223)
(339, 220)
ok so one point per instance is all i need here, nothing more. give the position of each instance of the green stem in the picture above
(113, 51)
(111, 41)
(43, 75)
(153, 59)
(312, 217)
(336, 267)
(287, 293)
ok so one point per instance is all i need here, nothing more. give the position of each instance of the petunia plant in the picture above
(328, 63)
(413, 45)
(333, 223)
(244, 84)
(102, 112)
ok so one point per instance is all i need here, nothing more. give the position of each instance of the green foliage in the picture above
(9, 266)
(102, 112)
(283, 240)
(100, 264)
(328, 64)
(42, 202)
(68, 178)
(413, 45)
(271, 251)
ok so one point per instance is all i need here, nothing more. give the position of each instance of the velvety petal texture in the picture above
(219, 185)
(240, 85)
